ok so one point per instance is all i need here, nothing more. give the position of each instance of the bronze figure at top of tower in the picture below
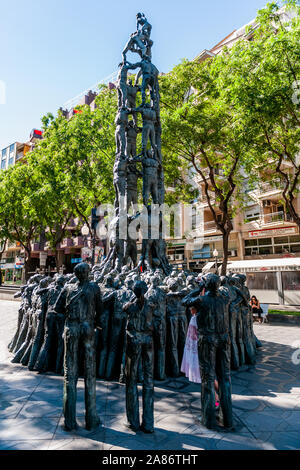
(140, 41)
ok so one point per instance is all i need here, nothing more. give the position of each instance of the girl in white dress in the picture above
(190, 361)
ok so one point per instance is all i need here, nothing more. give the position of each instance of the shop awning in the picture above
(258, 265)
(208, 266)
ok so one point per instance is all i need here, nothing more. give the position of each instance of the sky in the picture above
(53, 50)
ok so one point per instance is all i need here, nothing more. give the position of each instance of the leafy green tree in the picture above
(19, 219)
(260, 80)
(73, 165)
(202, 132)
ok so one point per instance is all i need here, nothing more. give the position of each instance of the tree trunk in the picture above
(28, 266)
(225, 252)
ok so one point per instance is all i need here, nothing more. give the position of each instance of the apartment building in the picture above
(264, 242)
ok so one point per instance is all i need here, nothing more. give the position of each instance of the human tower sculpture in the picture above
(123, 244)
(130, 322)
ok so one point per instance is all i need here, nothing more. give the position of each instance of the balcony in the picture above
(66, 243)
(273, 218)
(210, 226)
(78, 241)
(266, 190)
(19, 156)
(12, 246)
(36, 247)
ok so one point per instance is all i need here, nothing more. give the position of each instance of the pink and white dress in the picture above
(190, 361)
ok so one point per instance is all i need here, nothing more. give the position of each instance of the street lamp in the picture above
(85, 230)
(215, 254)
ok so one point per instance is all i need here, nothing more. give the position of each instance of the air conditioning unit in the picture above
(267, 203)
(233, 253)
(178, 257)
(171, 257)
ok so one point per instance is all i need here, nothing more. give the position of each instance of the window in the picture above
(282, 249)
(3, 164)
(276, 245)
(11, 148)
(280, 240)
(261, 246)
(203, 253)
(264, 241)
(252, 214)
(291, 280)
(250, 242)
(262, 281)
(4, 151)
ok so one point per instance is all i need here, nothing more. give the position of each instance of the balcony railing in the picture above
(268, 219)
(210, 226)
(36, 246)
(78, 241)
(267, 188)
(273, 217)
(66, 243)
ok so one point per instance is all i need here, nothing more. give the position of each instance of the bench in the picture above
(264, 314)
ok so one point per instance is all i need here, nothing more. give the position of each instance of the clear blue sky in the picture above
(53, 50)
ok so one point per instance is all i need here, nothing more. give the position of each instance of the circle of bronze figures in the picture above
(127, 320)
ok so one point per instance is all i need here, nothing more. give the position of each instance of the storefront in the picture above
(275, 281)
(201, 250)
(11, 273)
(279, 241)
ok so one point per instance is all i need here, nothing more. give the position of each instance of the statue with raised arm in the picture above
(139, 41)
(214, 350)
(149, 80)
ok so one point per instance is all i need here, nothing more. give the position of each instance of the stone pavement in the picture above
(266, 403)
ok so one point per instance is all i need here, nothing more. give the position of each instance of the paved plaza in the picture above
(266, 404)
